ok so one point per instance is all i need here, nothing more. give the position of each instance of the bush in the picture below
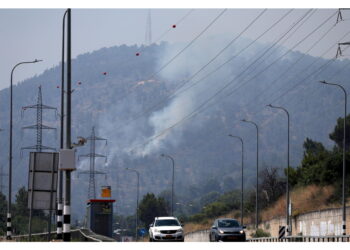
(260, 233)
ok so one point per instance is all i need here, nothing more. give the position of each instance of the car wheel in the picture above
(150, 239)
(216, 238)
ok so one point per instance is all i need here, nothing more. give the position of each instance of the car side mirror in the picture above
(182, 225)
(244, 227)
(150, 225)
(214, 227)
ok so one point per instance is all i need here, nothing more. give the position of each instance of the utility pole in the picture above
(92, 155)
(344, 155)
(257, 174)
(339, 53)
(2, 174)
(67, 172)
(288, 227)
(172, 183)
(240, 138)
(137, 197)
(9, 216)
(60, 172)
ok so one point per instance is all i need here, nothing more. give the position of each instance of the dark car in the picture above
(227, 230)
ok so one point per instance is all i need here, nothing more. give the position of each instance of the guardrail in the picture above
(81, 234)
(339, 238)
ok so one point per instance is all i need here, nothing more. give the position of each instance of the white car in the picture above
(166, 229)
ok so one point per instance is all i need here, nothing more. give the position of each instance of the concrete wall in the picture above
(317, 223)
(199, 236)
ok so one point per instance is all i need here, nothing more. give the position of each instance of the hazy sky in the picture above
(27, 34)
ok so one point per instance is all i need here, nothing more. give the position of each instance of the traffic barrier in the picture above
(335, 238)
(81, 234)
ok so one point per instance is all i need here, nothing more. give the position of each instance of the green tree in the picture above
(271, 186)
(21, 215)
(151, 207)
(337, 134)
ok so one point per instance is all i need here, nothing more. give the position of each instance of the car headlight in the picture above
(220, 231)
(241, 232)
(156, 230)
(179, 231)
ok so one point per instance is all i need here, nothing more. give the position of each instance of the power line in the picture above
(177, 54)
(296, 63)
(188, 45)
(202, 106)
(173, 93)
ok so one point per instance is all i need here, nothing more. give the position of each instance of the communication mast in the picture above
(148, 35)
(92, 155)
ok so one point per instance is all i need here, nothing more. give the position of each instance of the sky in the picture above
(36, 33)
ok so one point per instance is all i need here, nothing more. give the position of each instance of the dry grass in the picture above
(192, 227)
(303, 199)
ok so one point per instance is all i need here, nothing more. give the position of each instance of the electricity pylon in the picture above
(39, 126)
(92, 155)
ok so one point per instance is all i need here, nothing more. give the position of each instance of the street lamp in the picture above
(9, 225)
(241, 177)
(137, 197)
(172, 185)
(289, 230)
(344, 151)
(257, 174)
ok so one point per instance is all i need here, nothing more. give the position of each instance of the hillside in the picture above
(130, 104)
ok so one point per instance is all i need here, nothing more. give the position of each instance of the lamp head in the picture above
(243, 120)
(162, 155)
(269, 105)
(36, 60)
(324, 82)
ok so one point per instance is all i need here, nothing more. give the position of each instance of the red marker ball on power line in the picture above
(79, 83)
(137, 54)
(105, 73)
(174, 26)
(58, 87)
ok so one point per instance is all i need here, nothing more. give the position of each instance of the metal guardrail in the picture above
(339, 238)
(81, 234)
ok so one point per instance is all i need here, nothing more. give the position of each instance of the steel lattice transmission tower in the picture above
(39, 126)
(148, 35)
(92, 155)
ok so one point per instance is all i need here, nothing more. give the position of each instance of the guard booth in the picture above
(100, 215)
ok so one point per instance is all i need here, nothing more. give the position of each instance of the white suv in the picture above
(166, 229)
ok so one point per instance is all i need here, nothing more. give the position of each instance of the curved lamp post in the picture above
(241, 176)
(9, 225)
(257, 173)
(137, 196)
(344, 151)
(172, 185)
(289, 230)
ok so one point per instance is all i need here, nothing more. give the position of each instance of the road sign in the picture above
(42, 180)
(142, 232)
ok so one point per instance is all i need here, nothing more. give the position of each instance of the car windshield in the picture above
(160, 223)
(228, 223)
